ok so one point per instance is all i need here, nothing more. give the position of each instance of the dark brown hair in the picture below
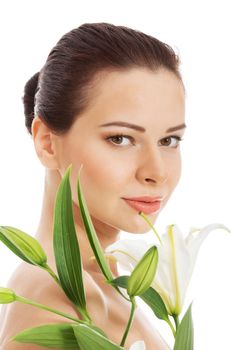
(63, 88)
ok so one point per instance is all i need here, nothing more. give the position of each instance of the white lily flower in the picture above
(176, 259)
(138, 345)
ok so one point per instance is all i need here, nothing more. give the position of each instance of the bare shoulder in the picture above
(107, 308)
(36, 284)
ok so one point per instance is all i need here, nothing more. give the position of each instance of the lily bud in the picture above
(7, 296)
(143, 274)
(23, 245)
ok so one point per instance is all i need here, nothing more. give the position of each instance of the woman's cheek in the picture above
(175, 171)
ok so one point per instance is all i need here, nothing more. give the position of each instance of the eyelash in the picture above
(178, 138)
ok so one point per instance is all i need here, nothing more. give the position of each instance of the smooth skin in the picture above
(136, 164)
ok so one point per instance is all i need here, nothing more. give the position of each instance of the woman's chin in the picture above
(139, 225)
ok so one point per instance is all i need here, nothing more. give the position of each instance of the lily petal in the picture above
(172, 268)
(138, 345)
(195, 239)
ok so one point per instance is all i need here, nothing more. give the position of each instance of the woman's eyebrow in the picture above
(140, 128)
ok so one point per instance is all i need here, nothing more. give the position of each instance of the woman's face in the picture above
(139, 163)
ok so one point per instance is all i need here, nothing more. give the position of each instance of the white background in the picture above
(202, 32)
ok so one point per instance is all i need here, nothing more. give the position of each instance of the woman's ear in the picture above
(44, 143)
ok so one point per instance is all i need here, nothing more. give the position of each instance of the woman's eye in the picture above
(123, 140)
(167, 141)
(117, 139)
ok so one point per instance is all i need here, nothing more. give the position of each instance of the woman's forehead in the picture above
(136, 90)
(135, 94)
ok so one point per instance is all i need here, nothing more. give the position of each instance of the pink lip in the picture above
(147, 208)
(145, 199)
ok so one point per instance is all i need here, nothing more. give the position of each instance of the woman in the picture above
(110, 98)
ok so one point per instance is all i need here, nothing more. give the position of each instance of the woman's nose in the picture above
(152, 167)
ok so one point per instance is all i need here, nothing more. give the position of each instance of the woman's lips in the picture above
(147, 208)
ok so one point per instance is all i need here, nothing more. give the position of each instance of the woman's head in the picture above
(125, 76)
(64, 87)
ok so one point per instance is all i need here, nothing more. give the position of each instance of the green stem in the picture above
(150, 223)
(134, 305)
(172, 327)
(85, 315)
(44, 307)
(52, 274)
(177, 321)
(118, 290)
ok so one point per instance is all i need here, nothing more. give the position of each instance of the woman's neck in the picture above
(106, 234)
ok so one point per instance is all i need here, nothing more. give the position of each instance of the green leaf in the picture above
(89, 339)
(91, 233)
(151, 297)
(59, 336)
(99, 330)
(144, 272)
(66, 247)
(7, 295)
(184, 335)
(23, 245)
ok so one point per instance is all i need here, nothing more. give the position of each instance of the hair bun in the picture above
(29, 99)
